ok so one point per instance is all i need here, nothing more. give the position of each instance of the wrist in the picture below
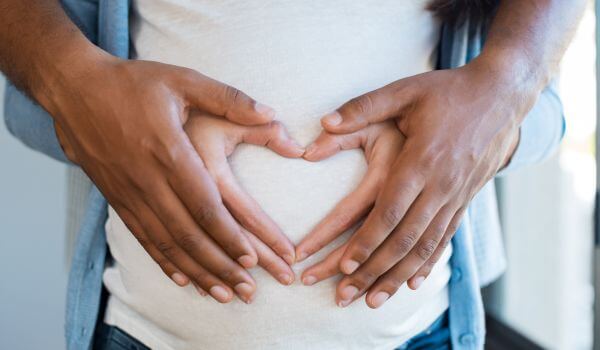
(514, 69)
(510, 78)
(63, 77)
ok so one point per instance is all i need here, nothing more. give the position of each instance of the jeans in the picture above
(435, 337)
(112, 338)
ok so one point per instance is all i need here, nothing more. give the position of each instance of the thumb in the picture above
(373, 107)
(273, 136)
(225, 101)
(326, 144)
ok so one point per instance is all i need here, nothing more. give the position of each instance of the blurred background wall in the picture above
(33, 268)
(547, 216)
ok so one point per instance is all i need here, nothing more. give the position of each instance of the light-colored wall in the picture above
(33, 272)
(547, 292)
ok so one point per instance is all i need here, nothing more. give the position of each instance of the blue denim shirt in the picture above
(478, 256)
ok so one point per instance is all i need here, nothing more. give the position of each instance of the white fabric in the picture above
(304, 58)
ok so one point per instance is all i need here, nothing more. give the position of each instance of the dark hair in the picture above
(458, 10)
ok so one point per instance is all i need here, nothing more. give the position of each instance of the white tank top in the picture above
(303, 58)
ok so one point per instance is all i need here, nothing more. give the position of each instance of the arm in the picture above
(26, 119)
(461, 127)
(122, 122)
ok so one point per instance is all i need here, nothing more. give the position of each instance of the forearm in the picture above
(527, 40)
(40, 48)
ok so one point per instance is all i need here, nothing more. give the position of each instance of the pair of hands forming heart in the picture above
(450, 143)
(426, 157)
(431, 145)
(215, 139)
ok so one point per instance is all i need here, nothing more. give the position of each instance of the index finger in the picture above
(373, 107)
(223, 100)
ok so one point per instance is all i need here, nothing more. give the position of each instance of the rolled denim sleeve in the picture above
(31, 124)
(541, 131)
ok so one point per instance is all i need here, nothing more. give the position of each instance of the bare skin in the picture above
(461, 126)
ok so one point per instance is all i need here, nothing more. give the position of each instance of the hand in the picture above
(215, 139)
(123, 124)
(381, 143)
(461, 128)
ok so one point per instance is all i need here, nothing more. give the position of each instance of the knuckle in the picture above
(429, 158)
(364, 279)
(167, 248)
(342, 220)
(204, 214)
(449, 183)
(438, 230)
(393, 283)
(189, 241)
(421, 219)
(231, 245)
(269, 265)
(363, 104)
(427, 248)
(361, 251)
(402, 243)
(250, 221)
(276, 128)
(231, 274)
(453, 227)
(392, 215)
(225, 274)
(231, 96)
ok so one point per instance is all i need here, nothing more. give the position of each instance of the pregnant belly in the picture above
(296, 194)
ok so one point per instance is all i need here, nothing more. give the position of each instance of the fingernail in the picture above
(332, 119)
(349, 266)
(264, 110)
(219, 293)
(343, 303)
(349, 292)
(309, 280)
(179, 279)
(301, 256)
(286, 279)
(289, 259)
(417, 282)
(380, 298)
(244, 290)
(247, 261)
(200, 291)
